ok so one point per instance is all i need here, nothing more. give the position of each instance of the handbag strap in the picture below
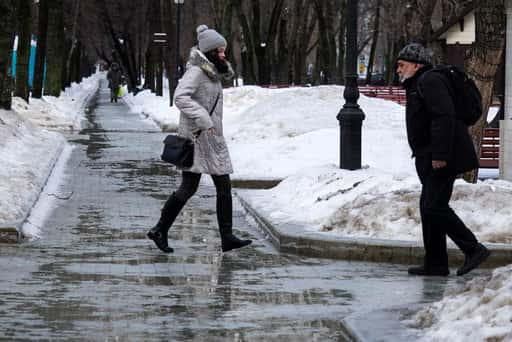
(215, 104)
(198, 133)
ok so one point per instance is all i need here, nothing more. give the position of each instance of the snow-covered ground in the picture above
(480, 310)
(30, 143)
(293, 134)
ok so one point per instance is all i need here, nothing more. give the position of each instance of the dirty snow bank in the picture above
(481, 310)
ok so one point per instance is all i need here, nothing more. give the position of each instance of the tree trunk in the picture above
(7, 16)
(65, 80)
(24, 19)
(374, 43)
(258, 38)
(74, 42)
(282, 56)
(37, 85)
(149, 75)
(157, 49)
(483, 63)
(158, 70)
(247, 50)
(55, 49)
(75, 63)
(341, 43)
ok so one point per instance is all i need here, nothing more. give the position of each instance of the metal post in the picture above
(177, 72)
(351, 116)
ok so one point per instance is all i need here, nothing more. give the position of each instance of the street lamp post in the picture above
(351, 116)
(177, 73)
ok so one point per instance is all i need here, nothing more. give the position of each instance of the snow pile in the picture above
(378, 204)
(156, 107)
(59, 113)
(479, 311)
(24, 153)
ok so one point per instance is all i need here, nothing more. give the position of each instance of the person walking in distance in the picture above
(199, 93)
(115, 78)
(442, 149)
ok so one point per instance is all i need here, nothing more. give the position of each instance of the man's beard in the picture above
(402, 78)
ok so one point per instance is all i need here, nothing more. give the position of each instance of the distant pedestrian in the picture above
(309, 74)
(198, 94)
(115, 79)
(443, 149)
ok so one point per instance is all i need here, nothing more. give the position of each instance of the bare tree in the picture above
(7, 18)
(24, 24)
(483, 63)
(259, 26)
(326, 13)
(42, 25)
(55, 49)
(375, 37)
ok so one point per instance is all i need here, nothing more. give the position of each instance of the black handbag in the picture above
(180, 150)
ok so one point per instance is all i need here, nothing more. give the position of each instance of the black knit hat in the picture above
(416, 53)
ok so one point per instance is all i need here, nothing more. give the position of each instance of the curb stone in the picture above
(297, 239)
(255, 183)
(7, 229)
(385, 324)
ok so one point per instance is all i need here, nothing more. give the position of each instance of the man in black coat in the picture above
(443, 149)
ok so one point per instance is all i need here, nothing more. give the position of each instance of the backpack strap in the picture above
(438, 69)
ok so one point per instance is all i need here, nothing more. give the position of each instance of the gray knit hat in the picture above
(416, 53)
(209, 39)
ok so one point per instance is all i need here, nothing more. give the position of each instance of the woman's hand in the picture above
(211, 131)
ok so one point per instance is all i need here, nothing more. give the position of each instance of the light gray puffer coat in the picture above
(195, 96)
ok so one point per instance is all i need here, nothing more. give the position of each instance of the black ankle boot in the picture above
(225, 221)
(159, 232)
(230, 242)
(160, 239)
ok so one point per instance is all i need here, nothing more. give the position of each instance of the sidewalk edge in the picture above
(297, 239)
(17, 225)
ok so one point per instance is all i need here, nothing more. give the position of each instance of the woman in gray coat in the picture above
(199, 94)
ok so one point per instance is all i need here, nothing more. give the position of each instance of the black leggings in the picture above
(190, 182)
(188, 187)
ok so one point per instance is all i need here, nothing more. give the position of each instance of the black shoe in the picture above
(160, 240)
(230, 242)
(476, 258)
(429, 271)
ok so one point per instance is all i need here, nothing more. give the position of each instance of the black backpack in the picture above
(468, 100)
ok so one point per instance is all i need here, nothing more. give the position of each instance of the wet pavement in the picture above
(94, 276)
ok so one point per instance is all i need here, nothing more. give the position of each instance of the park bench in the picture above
(391, 93)
(490, 149)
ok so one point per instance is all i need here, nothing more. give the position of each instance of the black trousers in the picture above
(438, 219)
(224, 205)
(113, 94)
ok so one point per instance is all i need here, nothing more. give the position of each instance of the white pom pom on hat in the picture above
(201, 28)
(209, 39)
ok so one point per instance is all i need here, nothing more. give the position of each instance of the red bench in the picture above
(391, 93)
(490, 149)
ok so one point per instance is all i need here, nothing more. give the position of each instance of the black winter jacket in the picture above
(432, 129)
